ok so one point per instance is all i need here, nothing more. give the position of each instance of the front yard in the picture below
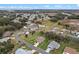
(44, 44)
(31, 38)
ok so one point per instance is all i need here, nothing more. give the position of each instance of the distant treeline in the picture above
(40, 10)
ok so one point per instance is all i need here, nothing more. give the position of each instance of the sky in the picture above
(38, 6)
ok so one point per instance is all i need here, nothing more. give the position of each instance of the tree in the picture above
(4, 21)
(57, 17)
(16, 25)
(9, 28)
(2, 30)
(66, 26)
(73, 16)
(57, 37)
(23, 20)
(7, 47)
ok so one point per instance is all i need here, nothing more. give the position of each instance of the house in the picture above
(47, 18)
(69, 50)
(22, 51)
(25, 27)
(52, 45)
(4, 39)
(66, 14)
(16, 20)
(4, 16)
(31, 17)
(33, 27)
(26, 33)
(7, 34)
(41, 26)
(51, 14)
(25, 15)
(40, 39)
(64, 30)
(28, 23)
(55, 29)
(77, 34)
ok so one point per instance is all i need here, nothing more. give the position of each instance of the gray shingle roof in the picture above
(22, 51)
(53, 45)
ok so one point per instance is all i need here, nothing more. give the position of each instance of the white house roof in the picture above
(27, 32)
(41, 25)
(78, 36)
(29, 22)
(33, 26)
(77, 33)
(25, 27)
(4, 39)
(22, 51)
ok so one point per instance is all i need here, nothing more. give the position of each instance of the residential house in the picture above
(40, 39)
(33, 27)
(22, 51)
(4, 39)
(69, 50)
(7, 34)
(52, 45)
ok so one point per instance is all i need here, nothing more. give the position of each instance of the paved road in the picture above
(28, 44)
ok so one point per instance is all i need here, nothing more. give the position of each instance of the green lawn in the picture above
(48, 24)
(44, 44)
(25, 47)
(31, 38)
